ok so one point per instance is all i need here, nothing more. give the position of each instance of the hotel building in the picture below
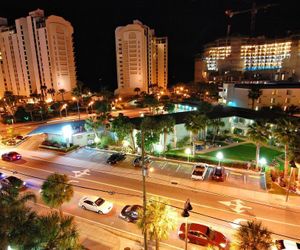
(259, 59)
(142, 58)
(36, 51)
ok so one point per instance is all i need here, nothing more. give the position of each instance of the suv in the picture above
(218, 174)
(137, 162)
(115, 157)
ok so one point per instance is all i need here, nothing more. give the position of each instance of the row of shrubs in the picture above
(54, 145)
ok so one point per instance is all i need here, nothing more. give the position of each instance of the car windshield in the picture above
(218, 172)
(99, 201)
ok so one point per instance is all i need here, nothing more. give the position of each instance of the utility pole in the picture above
(144, 172)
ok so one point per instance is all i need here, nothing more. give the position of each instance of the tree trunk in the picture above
(175, 137)
(132, 141)
(286, 161)
(252, 105)
(257, 156)
(31, 116)
(165, 141)
(60, 212)
(156, 241)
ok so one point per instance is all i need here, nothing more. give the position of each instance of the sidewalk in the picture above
(226, 191)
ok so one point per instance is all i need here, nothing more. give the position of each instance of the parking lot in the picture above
(234, 178)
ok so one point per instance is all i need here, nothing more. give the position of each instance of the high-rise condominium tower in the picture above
(37, 51)
(142, 58)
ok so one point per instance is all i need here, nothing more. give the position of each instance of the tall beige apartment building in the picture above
(37, 51)
(142, 58)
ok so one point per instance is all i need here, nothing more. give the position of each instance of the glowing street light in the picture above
(91, 105)
(159, 149)
(188, 152)
(263, 162)
(220, 157)
(67, 134)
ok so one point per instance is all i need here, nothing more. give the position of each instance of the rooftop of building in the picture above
(219, 112)
(271, 85)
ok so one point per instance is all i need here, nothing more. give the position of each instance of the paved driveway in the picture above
(175, 169)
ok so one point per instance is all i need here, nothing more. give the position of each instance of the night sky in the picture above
(189, 24)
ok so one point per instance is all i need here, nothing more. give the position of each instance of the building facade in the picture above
(37, 51)
(257, 59)
(272, 95)
(142, 58)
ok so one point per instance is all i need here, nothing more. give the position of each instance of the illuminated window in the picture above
(272, 100)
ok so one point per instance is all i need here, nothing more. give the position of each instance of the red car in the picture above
(203, 235)
(218, 174)
(11, 156)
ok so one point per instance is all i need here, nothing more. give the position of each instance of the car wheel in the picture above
(100, 212)
(83, 207)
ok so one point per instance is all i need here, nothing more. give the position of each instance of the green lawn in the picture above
(241, 153)
(245, 152)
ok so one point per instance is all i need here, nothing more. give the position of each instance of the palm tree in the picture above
(285, 132)
(122, 126)
(150, 101)
(62, 92)
(58, 232)
(254, 93)
(160, 219)
(16, 220)
(253, 236)
(258, 133)
(51, 91)
(93, 124)
(167, 124)
(29, 108)
(56, 191)
(137, 90)
(216, 124)
(196, 122)
(43, 91)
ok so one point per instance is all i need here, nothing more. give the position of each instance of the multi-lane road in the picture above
(208, 208)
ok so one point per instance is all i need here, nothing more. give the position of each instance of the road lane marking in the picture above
(79, 173)
(168, 198)
(110, 227)
(236, 205)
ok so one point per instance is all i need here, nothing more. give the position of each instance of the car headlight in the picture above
(223, 245)
(24, 183)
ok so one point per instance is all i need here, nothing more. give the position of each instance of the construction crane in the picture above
(253, 12)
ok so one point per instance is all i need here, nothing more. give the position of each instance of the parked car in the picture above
(130, 213)
(2, 176)
(115, 157)
(199, 171)
(286, 244)
(218, 174)
(11, 156)
(203, 235)
(96, 204)
(12, 181)
(137, 162)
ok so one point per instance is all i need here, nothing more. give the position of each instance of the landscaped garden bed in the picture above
(57, 146)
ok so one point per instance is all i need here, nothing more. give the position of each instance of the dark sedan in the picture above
(11, 156)
(114, 158)
(12, 181)
(130, 213)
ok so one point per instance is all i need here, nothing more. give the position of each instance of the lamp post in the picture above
(76, 99)
(188, 151)
(185, 214)
(220, 157)
(91, 104)
(144, 173)
(293, 166)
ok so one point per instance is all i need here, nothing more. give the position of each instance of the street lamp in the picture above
(293, 167)
(76, 99)
(91, 104)
(220, 157)
(263, 162)
(62, 108)
(188, 152)
(185, 214)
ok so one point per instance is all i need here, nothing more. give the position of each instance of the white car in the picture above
(199, 171)
(286, 245)
(95, 204)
